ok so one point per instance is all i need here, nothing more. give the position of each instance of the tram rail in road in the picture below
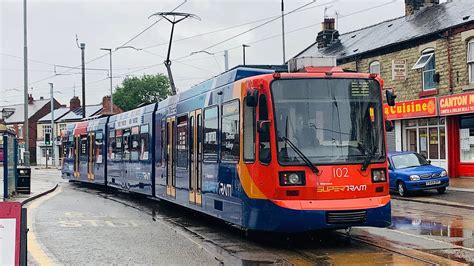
(229, 245)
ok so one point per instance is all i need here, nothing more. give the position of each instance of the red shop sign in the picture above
(10, 225)
(412, 109)
(456, 104)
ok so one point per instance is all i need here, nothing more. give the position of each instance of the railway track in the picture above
(232, 246)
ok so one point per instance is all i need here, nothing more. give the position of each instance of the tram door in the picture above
(77, 144)
(171, 157)
(195, 148)
(91, 156)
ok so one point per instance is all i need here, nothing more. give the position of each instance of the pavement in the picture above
(43, 181)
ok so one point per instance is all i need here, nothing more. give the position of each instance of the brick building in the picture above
(13, 115)
(427, 57)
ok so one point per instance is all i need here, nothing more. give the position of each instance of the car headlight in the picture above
(379, 175)
(292, 179)
(414, 177)
(444, 173)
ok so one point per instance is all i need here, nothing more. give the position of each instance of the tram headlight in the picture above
(379, 175)
(292, 179)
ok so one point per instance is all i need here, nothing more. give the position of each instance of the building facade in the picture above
(427, 57)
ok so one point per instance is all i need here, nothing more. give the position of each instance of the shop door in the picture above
(91, 157)
(195, 148)
(171, 158)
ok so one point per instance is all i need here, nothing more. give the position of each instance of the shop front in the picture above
(459, 110)
(419, 128)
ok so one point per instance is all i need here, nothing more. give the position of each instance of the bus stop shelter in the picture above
(8, 162)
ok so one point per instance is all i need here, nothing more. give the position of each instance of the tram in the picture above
(258, 147)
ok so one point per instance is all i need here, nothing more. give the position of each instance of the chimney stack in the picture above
(106, 105)
(30, 99)
(74, 103)
(329, 34)
(412, 6)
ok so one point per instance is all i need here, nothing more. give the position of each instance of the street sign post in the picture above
(12, 234)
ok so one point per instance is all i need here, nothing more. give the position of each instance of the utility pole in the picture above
(243, 48)
(176, 18)
(283, 29)
(226, 59)
(52, 128)
(26, 129)
(83, 47)
(110, 76)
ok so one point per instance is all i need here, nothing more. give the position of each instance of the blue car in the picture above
(410, 171)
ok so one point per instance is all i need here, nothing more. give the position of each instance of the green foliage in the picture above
(147, 89)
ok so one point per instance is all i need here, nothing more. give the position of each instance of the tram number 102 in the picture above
(340, 172)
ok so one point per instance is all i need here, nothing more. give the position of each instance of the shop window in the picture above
(230, 138)
(427, 137)
(211, 147)
(374, 67)
(249, 133)
(470, 60)
(182, 148)
(426, 63)
(466, 138)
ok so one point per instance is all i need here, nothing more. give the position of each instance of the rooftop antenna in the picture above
(173, 18)
(337, 19)
(326, 10)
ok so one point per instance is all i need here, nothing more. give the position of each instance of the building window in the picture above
(374, 67)
(46, 130)
(426, 62)
(466, 138)
(20, 131)
(230, 138)
(62, 128)
(470, 60)
(210, 134)
(426, 136)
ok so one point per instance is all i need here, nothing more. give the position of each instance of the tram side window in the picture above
(249, 133)
(144, 143)
(112, 146)
(181, 141)
(99, 145)
(230, 136)
(210, 148)
(264, 138)
(119, 145)
(126, 145)
(134, 142)
(71, 149)
(164, 146)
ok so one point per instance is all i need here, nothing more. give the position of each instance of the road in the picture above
(88, 225)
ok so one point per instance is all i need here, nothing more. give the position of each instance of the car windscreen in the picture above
(408, 160)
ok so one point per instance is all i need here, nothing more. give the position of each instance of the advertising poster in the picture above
(7, 241)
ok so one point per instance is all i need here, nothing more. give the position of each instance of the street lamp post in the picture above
(243, 54)
(110, 77)
(26, 129)
(52, 139)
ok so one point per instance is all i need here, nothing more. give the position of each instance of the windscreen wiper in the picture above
(368, 158)
(301, 154)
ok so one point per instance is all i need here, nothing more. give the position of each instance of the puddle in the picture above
(454, 229)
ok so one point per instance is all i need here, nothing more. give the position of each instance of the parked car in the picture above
(410, 171)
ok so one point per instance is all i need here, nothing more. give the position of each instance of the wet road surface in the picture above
(82, 224)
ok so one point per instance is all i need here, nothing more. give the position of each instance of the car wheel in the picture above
(441, 190)
(401, 189)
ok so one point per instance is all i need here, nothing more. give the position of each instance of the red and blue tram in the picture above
(263, 150)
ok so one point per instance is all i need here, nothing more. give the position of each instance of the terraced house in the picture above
(427, 57)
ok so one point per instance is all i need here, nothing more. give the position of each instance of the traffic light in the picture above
(47, 138)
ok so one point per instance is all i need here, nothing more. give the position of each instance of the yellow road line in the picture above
(34, 248)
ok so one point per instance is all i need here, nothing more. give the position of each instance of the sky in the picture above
(54, 56)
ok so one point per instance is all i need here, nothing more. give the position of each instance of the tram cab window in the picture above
(134, 142)
(126, 145)
(99, 144)
(144, 143)
(230, 138)
(265, 154)
(211, 147)
(181, 142)
(249, 132)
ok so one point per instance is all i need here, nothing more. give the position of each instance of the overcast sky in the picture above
(53, 25)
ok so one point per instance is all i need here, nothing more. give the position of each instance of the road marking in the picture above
(34, 248)
(434, 240)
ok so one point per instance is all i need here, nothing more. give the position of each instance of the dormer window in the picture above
(426, 63)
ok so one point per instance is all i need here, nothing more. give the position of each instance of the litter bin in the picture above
(24, 180)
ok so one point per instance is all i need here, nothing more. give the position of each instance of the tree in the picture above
(135, 91)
